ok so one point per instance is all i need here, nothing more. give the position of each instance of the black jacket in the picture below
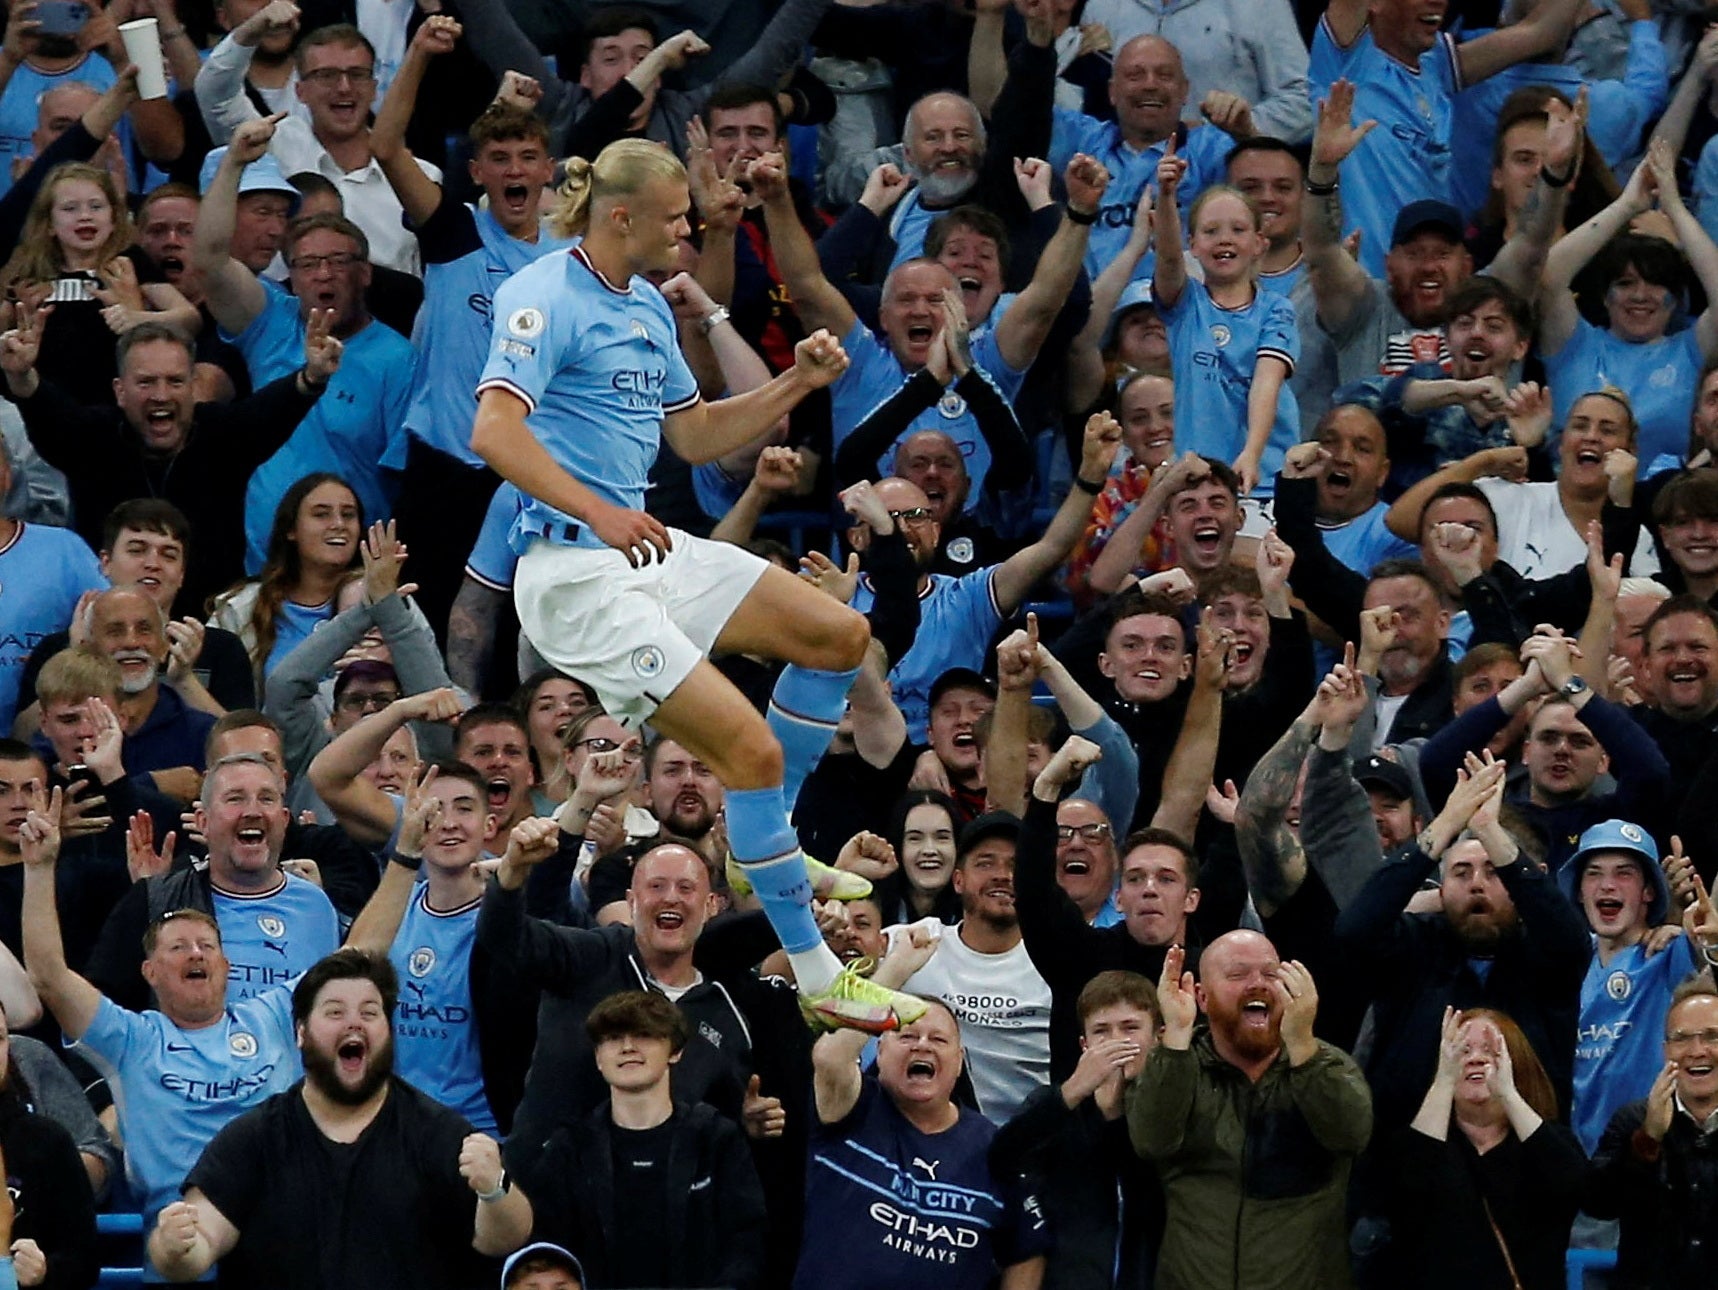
(105, 463)
(1103, 1203)
(1068, 951)
(50, 1194)
(1665, 1194)
(1414, 967)
(712, 1221)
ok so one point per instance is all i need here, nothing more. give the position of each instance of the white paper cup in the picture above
(142, 39)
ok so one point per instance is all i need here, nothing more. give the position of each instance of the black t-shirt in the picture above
(387, 1211)
(844, 794)
(640, 1197)
(78, 353)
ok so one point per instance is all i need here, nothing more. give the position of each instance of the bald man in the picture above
(1307, 1114)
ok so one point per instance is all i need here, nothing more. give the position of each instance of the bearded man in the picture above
(267, 1196)
(1249, 1115)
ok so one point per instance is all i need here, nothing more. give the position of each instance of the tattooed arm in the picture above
(1271, 853)
(1540, 221)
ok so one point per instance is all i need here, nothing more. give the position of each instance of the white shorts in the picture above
(632, 635)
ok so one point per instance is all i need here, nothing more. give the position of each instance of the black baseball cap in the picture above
(1427, 213)
(1389, 775)
(961, 678)
(992, 824)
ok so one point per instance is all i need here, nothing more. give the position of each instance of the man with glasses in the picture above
(1655, 1169)
(358, 429)
(337, 86)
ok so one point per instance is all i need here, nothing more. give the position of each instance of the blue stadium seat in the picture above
(1580, 1261)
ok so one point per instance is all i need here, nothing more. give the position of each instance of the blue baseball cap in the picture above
(1136, 295)
(261, 176)
(541, 1250)
(1617, 835)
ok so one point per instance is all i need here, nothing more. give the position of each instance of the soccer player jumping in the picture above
(584, 378)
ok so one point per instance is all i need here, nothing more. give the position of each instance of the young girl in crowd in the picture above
(313, 545)
(1234, 346)
(549, 700)
(76, 262)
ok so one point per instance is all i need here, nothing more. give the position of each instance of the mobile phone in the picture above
(81, 774)
(60, 17)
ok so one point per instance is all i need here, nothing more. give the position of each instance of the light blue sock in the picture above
(764, 844)
(804, 710)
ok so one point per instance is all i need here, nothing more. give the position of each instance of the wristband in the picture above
(1086, 486)
(405, 861)
(1551, 181)
(1322, 190)
(490, 1197)
(1079, 217)
(711, 321)
(310, 386)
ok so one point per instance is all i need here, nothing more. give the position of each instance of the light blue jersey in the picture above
(1407, 157)
(493, 560)
(293, 624)
(908, 226)
(43, 571)
(19, 105)
(874, 375)
(175, 1089)
(1364, 541)
(453, 327)
(1132, 171)
(435, 1031)
(271, 939)
(356, 429)
(1214, 350)
(1660, 379)
(957, 618)
(1619, 1042)
(597, 366)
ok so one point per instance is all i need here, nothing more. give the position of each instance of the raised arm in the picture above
(1016, 575)
(815, 298)
(220, 85)
(1005, 768)
(1271, 854)
(1194, 759)
(1522, 259)
(1169, 279)
(419, 194)
(986, 59)
(1697, 245)
(234, 295)
(337, 774)
(1690, 90)
(706, 431)
(71, 999)
(1558, 315)
(1545, 31)
(379, 921)
(1085, 356)
(1339, 284)
(1403, 518)
(1021, 333)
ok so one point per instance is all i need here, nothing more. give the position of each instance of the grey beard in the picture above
(944, 189)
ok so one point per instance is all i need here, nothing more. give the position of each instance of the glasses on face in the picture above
(597, 743)
(311, 263)
(1090, 832)
(918, 515)
(374, 701)
(1685, 1037)
(329, 77)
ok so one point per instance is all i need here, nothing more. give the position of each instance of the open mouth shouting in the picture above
(921, 1071)
(1256, 1010)
(350, 1056)
(516, 200)
(499, 792)
(1608, 908)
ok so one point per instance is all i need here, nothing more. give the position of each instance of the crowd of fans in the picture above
(1274, 457)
